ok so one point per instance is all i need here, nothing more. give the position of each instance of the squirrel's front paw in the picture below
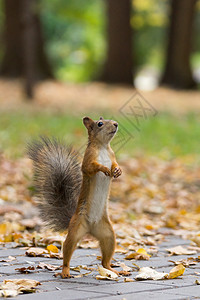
(106, 171)
(117, 172)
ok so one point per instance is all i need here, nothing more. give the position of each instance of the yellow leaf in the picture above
(3, 228)
(52, 248)
(149, 227)
(8, 238)
(176, 271)
(143, 251)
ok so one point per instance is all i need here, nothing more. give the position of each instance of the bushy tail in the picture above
(57, 177)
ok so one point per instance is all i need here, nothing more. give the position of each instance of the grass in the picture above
(163, 135)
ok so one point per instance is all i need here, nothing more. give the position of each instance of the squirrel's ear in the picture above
(89, 123)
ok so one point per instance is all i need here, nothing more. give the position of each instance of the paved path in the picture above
(89, 287)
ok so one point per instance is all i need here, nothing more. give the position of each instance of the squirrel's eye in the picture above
(100, 124)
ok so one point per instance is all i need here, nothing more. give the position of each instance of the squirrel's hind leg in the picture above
(77, 229)
(106, 236)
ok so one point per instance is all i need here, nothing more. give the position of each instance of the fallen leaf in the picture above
(49, 267)
(197, 282)
(176, 271)
(18, 286)
(34, 251)
(190, 261)
(147, 273)
(8, 208)
(55, 255)
(140, 254)
(8, 293)
(179, 250)
(82, 275)
(9, 259)
(77, 269)
(107, 273)
(125, 268)
(142, 251)
(120, 249)
(52, 248)
(88, 268)
(89, 244)
(99, 277)
(196, 240)
(26, 270)
(128, 279)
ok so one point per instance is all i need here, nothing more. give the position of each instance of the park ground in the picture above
(154, 205)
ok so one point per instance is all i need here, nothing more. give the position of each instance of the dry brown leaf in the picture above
(18, 286)
(50, 267)
(26, 270)
(179, 250)
(107, 273)
(128, 279)
(147, 273)
(190, 261)
(77, 269)
(9, 259)
(99, 277)
(8, 293)
(140, 254)
(120, 249)
(34, 251)
(82, 275)
(125, 268)
(89, 244)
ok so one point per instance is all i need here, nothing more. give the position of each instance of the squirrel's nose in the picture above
(115, 124)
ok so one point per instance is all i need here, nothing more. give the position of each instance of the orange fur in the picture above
(80, 223)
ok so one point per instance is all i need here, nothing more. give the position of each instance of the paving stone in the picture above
(11, 251)
(188, 291)
(61, 295)
(89, 288)
(53, 285)
(174, 241)
(157, 295)
(128, 287)
(178, 282)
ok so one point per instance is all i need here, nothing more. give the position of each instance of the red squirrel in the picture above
(69, 200)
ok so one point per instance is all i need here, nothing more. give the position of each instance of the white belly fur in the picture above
(99, 193)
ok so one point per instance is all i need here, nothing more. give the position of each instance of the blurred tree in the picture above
(178, 71)
(24, 54)
(118, 65)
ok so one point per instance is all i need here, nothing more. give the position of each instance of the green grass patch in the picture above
(164, 134)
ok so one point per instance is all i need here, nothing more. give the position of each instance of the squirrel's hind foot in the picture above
(65, 273)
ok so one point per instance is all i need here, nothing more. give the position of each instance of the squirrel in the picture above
(74, 197)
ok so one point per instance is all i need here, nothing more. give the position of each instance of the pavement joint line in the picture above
(135, 292)
(174, 286)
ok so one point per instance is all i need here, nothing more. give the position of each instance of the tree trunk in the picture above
(178, 73)
(24, 45)
(118, 65)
